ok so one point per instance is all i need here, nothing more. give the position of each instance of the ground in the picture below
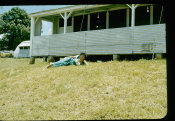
(104, 90)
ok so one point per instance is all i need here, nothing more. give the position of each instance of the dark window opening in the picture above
(129, 17)
(80, 23)
(157, 10)
(117, 18)
(98, 21)
(26, 47)
(69, 22)
(61, 22)
(142, 15)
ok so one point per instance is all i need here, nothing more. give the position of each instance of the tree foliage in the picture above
(16, 23)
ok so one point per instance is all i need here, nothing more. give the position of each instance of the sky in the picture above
(31, 8)
(35, 8)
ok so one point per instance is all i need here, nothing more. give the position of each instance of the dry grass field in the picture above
(106, 90)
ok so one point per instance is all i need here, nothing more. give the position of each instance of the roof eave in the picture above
(65, 9)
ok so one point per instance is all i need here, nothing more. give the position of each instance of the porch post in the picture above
(32, 31)
(133, 16)
(58, 25)
(133, 7)
(116, 57)
(151, 14)
(88, 25)
(65, 17)
(107, 20)
(55, 26)
(65, 22)
(37, 26)
(73, 23)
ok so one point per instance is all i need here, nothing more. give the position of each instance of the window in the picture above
(142, 15)
(157, 10)
(117, 18)
(26, 47)
(98, 21)
(69, 21)
(61, 22)
(80, 23)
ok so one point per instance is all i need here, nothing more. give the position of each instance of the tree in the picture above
(16, 23)
(4, 43)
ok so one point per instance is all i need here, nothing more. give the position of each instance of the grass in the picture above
(107, 90)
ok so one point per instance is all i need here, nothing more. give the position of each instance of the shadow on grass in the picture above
(134, 57)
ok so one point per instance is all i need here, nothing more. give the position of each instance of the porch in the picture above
(96, 30)
(126, 40)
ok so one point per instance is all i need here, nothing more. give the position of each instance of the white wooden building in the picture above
(22, 50)
(110, 29)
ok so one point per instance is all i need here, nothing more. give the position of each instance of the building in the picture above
(22, 50)
(111, 29)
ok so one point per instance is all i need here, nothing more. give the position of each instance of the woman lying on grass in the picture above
(71, 60)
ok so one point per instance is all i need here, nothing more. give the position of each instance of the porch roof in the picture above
(80, 9)
(64, 9)
(24, 43)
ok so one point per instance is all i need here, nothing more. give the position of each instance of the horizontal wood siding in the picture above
(66, 44)
(40, 46)
(108, 41)
(126, 40)
(149, 38)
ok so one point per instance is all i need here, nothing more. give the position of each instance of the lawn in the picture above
(104, 90)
